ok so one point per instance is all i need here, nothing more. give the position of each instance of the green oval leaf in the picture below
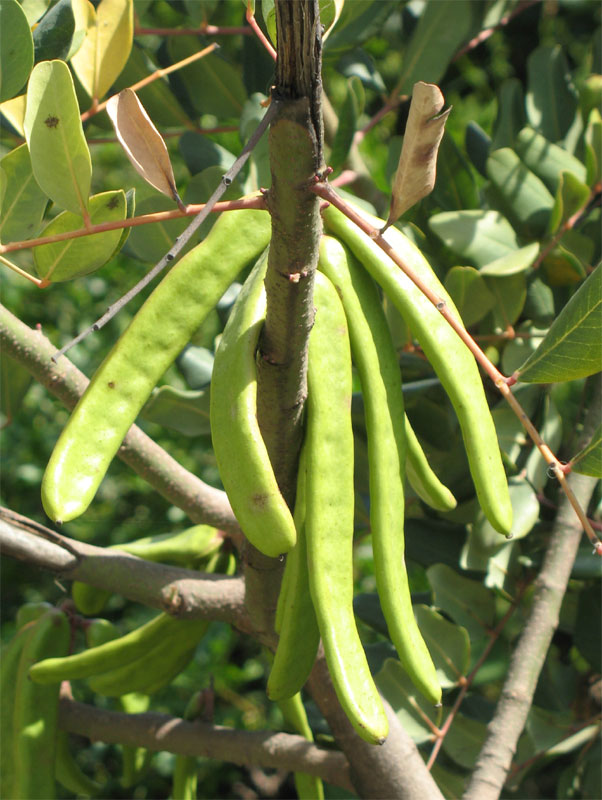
(23, 202)
(16, 49)
(571, 196)
(407, 702)
(589, 460)
(551, 98)
(546, 159)
(448, 645)
(518, 261)
(184, 411)
(348, 119)
(470, 294)
(151, 242)
(572, 347)
(60, 158)
(53, 36)
(477, 236)
(72, 258)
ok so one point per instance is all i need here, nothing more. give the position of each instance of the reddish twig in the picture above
(203, 30)
(483, 35)
(259, 33)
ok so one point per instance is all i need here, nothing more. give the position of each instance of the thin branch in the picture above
(184, 237)
(183, 593)
(159, 73)
(529, 655)
(201, 502)
(250, 16)
(144, 219)
(203, 30)
(483, 35)
(155, 731)
(323, 189)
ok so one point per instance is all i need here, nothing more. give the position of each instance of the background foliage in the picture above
(512, 228)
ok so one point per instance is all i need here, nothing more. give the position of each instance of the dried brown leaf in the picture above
(142, 142)
(417, 168)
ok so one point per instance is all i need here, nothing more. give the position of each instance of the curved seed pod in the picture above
(421, 476)
(451, 359)
(329, 513)
(36, 711)
(308, 787)
(296, 618)
(159, 331)
(68, 772)
(376, 361)
(242, 457)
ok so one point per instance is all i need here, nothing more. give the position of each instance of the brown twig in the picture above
(483, 35)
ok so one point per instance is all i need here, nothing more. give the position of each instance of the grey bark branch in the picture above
(202, 503)
(180, 592)
(248, 748)
(504, 730)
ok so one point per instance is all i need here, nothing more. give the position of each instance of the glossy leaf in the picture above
(470, 294)
(53, 36)
(72, 258)
(571, 197)
(348, 121)
(546, 159)
(589, 460)
(142, 142)
(525, 196)
(551, 98)
(449, 25)
(60, 157)
(511, 114)
(106, 48)
(477, 236)
(180, 410)
(518, 261)
(417, 168)
(196, 365)
(466, 601)
(16, 49)
(34, 9)
(573, 346)
(23, 202)
(406, 701)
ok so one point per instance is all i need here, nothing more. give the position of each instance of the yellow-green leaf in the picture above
(60, 158)
(72, 258)
(106, 48)
(23, 202)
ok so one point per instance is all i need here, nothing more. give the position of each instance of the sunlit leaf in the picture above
(510, 293)
(546, 159)
(417, 168)
(405, 700)
(106, 48)
(573, 346)
(14, 111)
(142, 142)
(525, 196)
(16, 49)
(589, 460)
(23, 202)
(518, 261)
(593, 147)
(185, 411)
(72, 258)
(571, 197)
(52, 37)
(551, 98)
(511, 114)
(60, 157)
(477, 236)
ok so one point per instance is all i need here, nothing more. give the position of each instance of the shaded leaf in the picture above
(23, 202)
(348, 119)
(550, 430)
(573, 345)
(405, 700)
(52, 37)
(150, 242)
(455, 185)
(525, 196)
(518, 261)
(546, 159)
(185, 411)
(593, 147)
(448, 645)
(72, 258)
(511, 114)
(510, 293)
(441, 30)
(60, 158)
(196, 365)
(106, 48)
(588, 630)
(200, 152)
(464, 740)
(466, 601)
(563, 268)
(359, 20)
(519, 349)
(470, 294)
(415, 176)
(478, 146)
(16, 49)
(551, 100)
(589, 460)
(15, 380)
(360, 64)
(475, 235)
(142, 142)
(571, 197)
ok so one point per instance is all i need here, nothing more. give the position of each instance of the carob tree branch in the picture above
(183, 593)
(155, 731)
(529, 655)
(201, 502)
